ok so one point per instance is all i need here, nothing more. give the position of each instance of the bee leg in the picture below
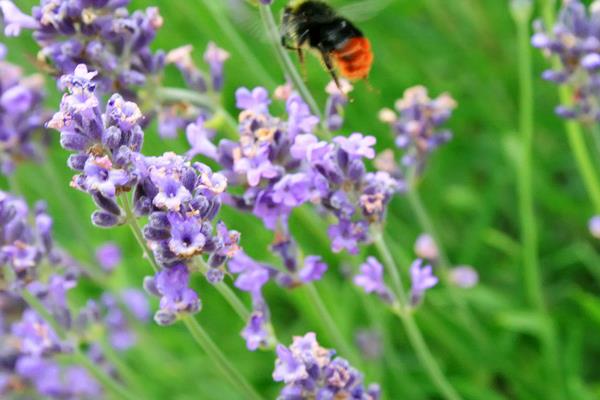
(302, 65)
(329, 66)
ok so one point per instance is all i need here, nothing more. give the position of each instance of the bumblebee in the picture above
(341, 45)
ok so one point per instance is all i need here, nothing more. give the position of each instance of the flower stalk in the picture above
(108, 382)
(412, 329)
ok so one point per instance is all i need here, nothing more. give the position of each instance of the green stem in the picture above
(331, 327)
(105, 380)
(137, 232)
(388, 260)
(177, 94)
(123, 370)
(228, 294)
(525, 170)
(219, 359)
(585, 165)
(412, 330)
(290, 69)
(427, 225)
(234, 37)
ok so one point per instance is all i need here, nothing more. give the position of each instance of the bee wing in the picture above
(364, 10)
(247, 19)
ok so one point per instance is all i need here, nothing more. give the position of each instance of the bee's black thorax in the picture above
(316, 24)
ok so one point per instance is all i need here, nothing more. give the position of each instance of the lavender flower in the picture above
(176, 297)
(310, 371)
(371, 280)
(417, 124)
(425, 247)
(337, 100)
(104, 143)
(422, 278)
(102, 35)
(180, 198)
(574, 40)
(215, 58)
(21, 115)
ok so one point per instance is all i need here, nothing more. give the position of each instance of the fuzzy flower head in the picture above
(422, 278)
(418, 124)
(575, 41)
(104, 144)
(102, 34)
(311, 371)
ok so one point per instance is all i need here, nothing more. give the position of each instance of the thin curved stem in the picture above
(410, 326)
(290, 69)
(332, 328)
(236, 40)
(105, 380)
(137, 232)
(228, 371)
(228, 294)
(388, 260)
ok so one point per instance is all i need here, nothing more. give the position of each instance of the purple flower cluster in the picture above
(417, 124)
(30, 261)
(26, 247)
(575, 41)
(177, 114)
(282, 165)
(104, 143)
(101, 34)
(180, 198)
(311, 371)
(21, 115)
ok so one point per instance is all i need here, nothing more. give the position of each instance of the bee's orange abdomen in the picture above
(355, 58)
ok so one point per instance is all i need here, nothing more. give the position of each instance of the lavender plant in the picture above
(37, 324)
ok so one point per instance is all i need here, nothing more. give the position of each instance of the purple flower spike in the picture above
(309, 371)
(177, 297)
(255, 332)
(215, 58)
(422, 278)
(313, 269)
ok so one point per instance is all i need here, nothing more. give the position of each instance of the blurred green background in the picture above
(468, 49)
